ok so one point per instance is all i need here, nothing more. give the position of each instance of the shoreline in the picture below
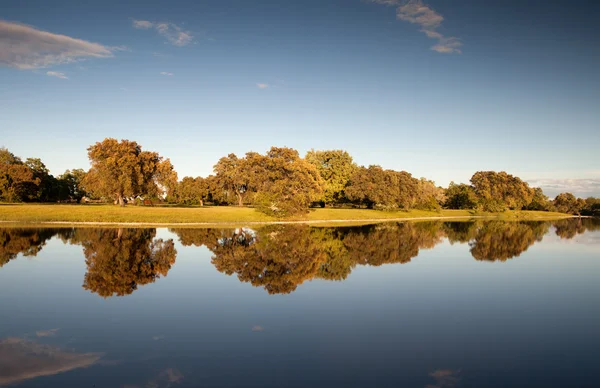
(341, 222)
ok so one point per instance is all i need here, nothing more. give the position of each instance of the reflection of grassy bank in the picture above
(41, 213)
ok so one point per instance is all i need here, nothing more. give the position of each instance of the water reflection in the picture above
(278, 258)
(120, 260)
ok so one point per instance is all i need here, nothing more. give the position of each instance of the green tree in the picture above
(335, 168)
(16, 178)
(122, 169)
(48, 189)
(460, 196)
(71, 183)
(539, 201)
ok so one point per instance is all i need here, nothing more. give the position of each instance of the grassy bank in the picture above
(41, 213)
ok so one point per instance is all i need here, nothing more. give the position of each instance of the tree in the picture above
(539, 201)
(48, 189)
(231, 176)
(568, 203)
(335, 168)
(122, 169)
(382, 189)
(16, 178)
(460, 196)
(191, 191)
(284, 184)
(428, 196)
(499, 191)
(71, 182)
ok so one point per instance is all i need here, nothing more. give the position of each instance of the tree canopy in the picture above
(122, 169)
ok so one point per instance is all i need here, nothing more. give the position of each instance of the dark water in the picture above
(486, 304)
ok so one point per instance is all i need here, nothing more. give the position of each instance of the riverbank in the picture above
(227, 215)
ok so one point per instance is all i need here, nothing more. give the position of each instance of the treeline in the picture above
(279, 183)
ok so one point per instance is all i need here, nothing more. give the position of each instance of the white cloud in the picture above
(417, 12)
(24, 47)
(579, 187)
(262, 86)
(57, 74)
(142, 24)
(170, 31)
(166, 73)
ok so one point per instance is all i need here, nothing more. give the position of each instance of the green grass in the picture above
(42, 213)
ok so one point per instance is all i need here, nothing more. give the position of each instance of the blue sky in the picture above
(438, 88)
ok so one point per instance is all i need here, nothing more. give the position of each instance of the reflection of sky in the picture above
(531, 319)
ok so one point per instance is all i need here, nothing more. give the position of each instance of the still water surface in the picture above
(430, 304)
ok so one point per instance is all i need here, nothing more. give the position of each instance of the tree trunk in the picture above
(240, 199)
(121, 201)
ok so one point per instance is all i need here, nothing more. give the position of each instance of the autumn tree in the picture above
(122, 169)
(568, 203)
(335, 168)
(428, 196)
(191, 191)
(284, 183)
(382, 189)
(499, 191)
(231, 175)
(16, 178)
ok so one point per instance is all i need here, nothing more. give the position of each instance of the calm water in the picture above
(486, 304)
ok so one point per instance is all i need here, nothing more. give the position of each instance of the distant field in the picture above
(41, 213)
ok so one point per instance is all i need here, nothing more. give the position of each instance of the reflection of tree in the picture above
(391, 243)
(461, 232)
(570, 227)
(279, 258)
(119, 260)
(28, 241)
(22, 360)
(500, 241)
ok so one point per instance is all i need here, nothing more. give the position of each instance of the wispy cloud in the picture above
(22, 360)
(46, 333)
(24, 47)
(262, 86)
(579, 187)
(57, 74)
(445, 378)
(417, 12)
(166, 73)
(173, 33)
